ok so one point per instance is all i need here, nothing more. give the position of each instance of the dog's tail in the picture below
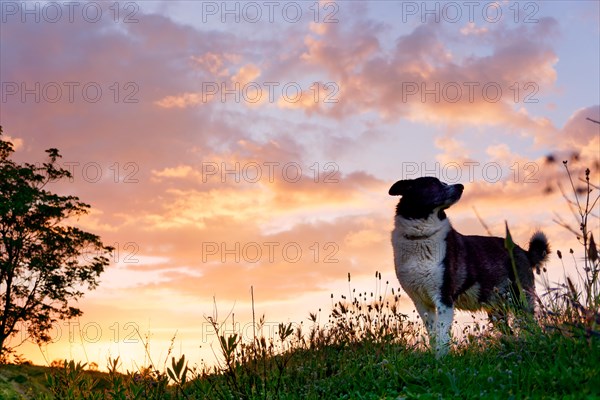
(539, 249)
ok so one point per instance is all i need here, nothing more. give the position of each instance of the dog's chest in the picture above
(419, 266)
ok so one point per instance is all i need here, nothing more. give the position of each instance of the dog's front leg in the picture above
(443, 328)
(428, 316)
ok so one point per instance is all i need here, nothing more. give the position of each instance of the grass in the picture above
(534, 363)
(369, 350)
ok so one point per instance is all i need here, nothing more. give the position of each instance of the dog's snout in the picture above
(459, 187)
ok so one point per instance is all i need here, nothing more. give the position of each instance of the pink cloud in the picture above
(579, 131)
(421, 79)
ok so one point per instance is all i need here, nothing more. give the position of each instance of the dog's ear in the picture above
(400, 187)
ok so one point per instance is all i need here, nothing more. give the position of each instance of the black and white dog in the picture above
(440, 269)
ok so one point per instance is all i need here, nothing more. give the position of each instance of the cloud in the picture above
(579, 131)
(289, 189)
(217, 83)
(455, 151)
(279, 266)
(471, 29)
(215, 64)
(16, 142)
(246, 74)
(182, 101)
(424, 79)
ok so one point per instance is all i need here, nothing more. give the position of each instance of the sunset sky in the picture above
(230, 145)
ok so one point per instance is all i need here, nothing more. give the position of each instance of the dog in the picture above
(441, 269)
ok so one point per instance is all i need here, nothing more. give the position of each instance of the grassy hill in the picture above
(367, 350)
(22, 381)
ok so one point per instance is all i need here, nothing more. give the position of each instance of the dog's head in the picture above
(423, 196)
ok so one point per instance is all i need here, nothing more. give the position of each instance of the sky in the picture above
(225, 146)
